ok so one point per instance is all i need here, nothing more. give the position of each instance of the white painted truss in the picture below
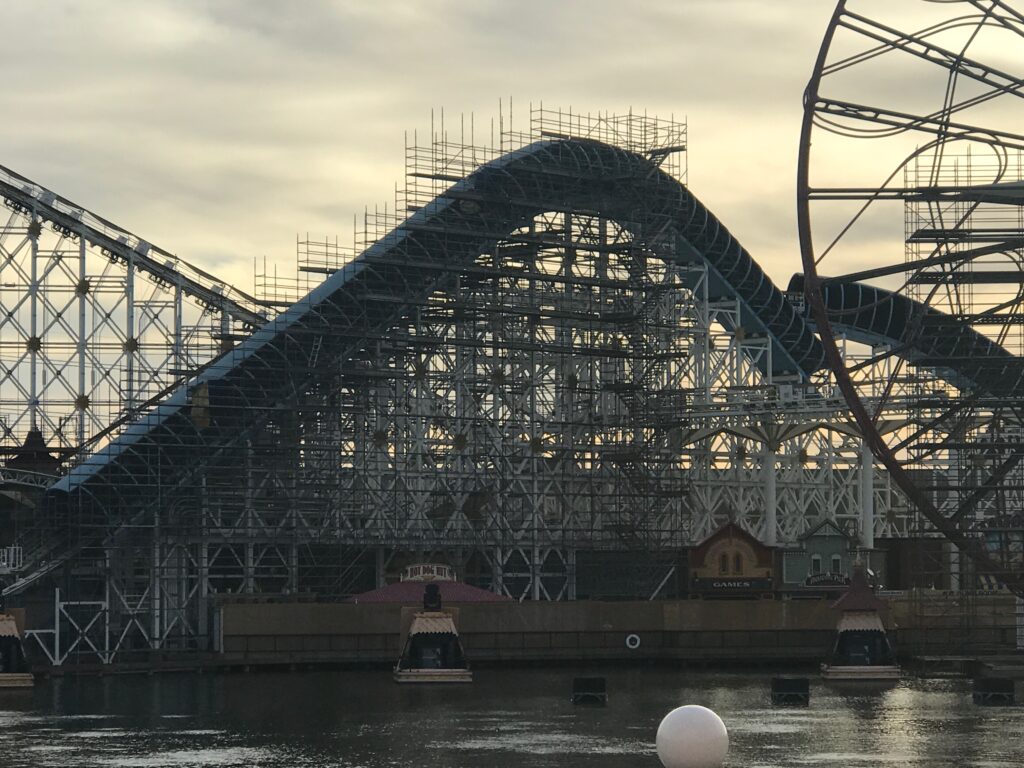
(560, 418)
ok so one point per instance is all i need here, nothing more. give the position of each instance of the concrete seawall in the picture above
(690, 630)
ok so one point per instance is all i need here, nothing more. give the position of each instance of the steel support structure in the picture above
(549, 367)
(97, 322)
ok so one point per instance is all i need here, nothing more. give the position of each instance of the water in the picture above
(518, 718)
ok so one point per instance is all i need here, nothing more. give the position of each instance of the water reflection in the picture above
(506, 718)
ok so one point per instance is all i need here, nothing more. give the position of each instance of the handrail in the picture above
(72, 219)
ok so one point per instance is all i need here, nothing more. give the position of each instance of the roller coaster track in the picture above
(273, 368)
(372, 292)
(74, 220)
(920, 335)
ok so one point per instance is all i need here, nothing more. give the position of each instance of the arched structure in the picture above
(379, 289)
(555, 375)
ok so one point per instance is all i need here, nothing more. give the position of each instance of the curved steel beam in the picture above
(920, 335)
(381, 288)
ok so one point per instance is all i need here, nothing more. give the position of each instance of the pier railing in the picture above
(11, 559)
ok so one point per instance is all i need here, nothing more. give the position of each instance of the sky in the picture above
(219, 129)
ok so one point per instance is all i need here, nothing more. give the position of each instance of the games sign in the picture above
(732, 584)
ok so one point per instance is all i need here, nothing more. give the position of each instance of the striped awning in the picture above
(861, 621)
(432, 624)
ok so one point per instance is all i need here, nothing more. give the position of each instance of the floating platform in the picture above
(791, 690)
(17, 680)
(860, 673)
(994, 692)
(589, 690)
(943, 666)
(433, 676)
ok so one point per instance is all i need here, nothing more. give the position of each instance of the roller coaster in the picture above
(556, 373)
(548, 365)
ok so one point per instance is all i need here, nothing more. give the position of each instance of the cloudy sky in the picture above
(219, 129)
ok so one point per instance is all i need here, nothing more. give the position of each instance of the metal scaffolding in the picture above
(549, 366)
(97, 322)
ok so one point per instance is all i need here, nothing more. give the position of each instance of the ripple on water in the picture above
(222, 757)
(738, 726)
(921, 727)
(535, 743)
(100, 733)
(196, 732)
(855, 758)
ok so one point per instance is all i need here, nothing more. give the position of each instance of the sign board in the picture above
(826, 580)
(727, 584)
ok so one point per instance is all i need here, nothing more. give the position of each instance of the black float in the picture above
(589, 690)
(791, 690)
(993, 692)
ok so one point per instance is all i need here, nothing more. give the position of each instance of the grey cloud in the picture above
(220, 128)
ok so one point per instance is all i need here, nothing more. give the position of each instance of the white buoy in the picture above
(692, 737)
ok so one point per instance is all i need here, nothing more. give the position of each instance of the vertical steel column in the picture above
(131, 345)
(179, 363)
(737, 353)
(953, 565)
(1020, 623)
(570, 573)
(498, 572)
(203, 590)
(34, 342)
(771, 512)
(225, 331)
(535, 458)
(535, 566)
(249, 579)
(704, 362)
(83, 291)
(867, 496)
(249, 521)
(381, 566)
(107, 658)
(181, 599)
(293, 565)
(56, 626)
(156, 631)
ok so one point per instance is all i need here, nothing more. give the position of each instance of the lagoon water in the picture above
(520, 718)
